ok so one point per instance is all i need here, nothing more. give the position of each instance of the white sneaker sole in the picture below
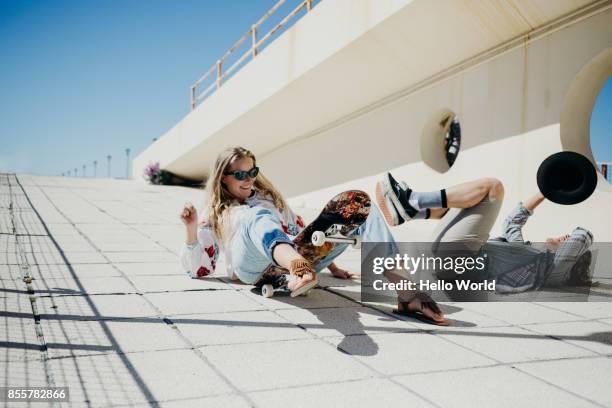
(385, 205)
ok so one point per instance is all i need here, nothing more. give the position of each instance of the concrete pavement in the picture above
(110, 315)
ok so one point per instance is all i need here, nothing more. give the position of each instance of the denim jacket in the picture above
(200, 259)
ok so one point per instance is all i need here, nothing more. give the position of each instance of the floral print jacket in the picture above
(200, 259)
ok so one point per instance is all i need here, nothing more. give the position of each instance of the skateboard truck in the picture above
(319, 237)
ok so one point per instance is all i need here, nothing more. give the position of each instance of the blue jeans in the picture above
(261, 231)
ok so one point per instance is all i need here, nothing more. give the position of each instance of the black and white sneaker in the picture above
(392, 198)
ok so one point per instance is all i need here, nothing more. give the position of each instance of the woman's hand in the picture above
(189, 216)
(340, 273)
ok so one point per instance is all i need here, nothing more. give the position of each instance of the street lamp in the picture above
(127, 163)
(108, 160)
(95, 167)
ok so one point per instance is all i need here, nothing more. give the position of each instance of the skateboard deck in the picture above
(342, 215)
(345, 213)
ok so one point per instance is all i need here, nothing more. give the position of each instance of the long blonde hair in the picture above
(218, 198)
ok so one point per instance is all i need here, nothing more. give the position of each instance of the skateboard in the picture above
(272, 283)
(340, 217)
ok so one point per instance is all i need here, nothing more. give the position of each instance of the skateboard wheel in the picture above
(357, 242)
(267, 290)
(318, 238)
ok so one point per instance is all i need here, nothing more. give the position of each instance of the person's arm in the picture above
(532, 202)
(339, 272)
(512, 229)
(199, 253)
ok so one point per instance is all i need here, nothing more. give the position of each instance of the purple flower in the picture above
(151, 172)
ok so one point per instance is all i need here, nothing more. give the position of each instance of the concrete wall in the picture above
(514, 109)
(346, 94)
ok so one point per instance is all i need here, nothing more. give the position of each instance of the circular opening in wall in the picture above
(441, 140)
(601, 130)
(584, 122)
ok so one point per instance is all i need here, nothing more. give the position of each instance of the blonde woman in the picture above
(252, 222)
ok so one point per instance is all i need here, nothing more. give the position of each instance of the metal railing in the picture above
(217, 67)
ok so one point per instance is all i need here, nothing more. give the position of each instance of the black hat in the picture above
(567, 178)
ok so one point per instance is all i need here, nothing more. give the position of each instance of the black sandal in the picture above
(426, 303)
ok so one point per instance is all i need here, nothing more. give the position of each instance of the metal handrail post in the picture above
(254, 40)
(219, 73)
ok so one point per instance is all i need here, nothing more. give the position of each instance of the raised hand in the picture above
(189, 215)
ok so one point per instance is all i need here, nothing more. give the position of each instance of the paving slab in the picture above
(489, 387)
(69, 338)
(521, 313)
(26, 373)
(104, 307)
(111, 379)
(18, 330)
(11, 284)
(588, 378)
(15, 303)
(345, 321)
(18, 338)
(317, 298)
(283, 364)
(72, 271)
(175, 283)
(83, 285)
(150, 268)
(147, 256)
(591, 310)
(198, 302)
(403, 353)
(120, 245)
(237, 328)
(10, 272)
(591, 335)
(361, 393)
(225, 401)
(526, 345)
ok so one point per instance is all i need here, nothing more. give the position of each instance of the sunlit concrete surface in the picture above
(121, 325)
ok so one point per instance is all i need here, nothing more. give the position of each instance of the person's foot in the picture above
(304, 277)
(423, 308)
(393, 199)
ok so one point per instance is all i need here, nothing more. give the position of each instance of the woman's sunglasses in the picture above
(241, 175)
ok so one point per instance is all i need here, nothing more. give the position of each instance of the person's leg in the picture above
(399, 203)
(471, 226)
(469, 194)
(437, 213)
(374, 229)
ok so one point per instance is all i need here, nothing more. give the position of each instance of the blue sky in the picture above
(601, 124)
(83, 79)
